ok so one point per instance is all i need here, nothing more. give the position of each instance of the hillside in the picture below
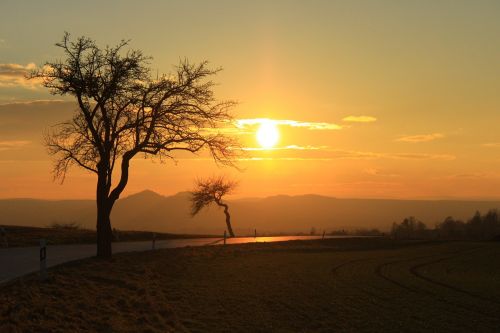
(150, 211)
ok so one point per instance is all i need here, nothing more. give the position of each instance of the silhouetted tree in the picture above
(491, 224)
(485, 226)
(122, 112)
(474, 226)
(450, 229)
(212, 190)
(410, 228)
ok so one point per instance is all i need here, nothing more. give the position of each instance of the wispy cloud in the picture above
(421, 138)
(242, 123)
(290, 147)
(327, 154)
(492, 144)
(378, 172)
(14, 75)
(35, 101)
(473, 175)
(348, 154)
(285, 159)
(320, 154)
(359, 119)
(421, 156)
(15, 144)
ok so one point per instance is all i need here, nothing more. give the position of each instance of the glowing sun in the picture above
(267, 134)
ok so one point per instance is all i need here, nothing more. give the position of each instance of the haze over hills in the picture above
(148, 210)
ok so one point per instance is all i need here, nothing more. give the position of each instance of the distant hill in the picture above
(151, 211)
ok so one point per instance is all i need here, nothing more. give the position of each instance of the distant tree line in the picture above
(478, 227)
(357, 232)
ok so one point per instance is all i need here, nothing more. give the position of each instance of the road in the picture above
(19, 261)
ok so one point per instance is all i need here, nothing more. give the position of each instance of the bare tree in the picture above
(212, 190)
(122, 112)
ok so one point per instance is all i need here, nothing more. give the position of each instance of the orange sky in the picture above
(393, 100)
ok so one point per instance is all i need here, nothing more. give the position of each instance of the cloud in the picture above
(242, 123)
(347, 154)
(377, 172)
(290, 147)
(14, 75)
(34, 101)
(285, 159)
(473, 175)
(421, 138)
(359, 119)
(423, 156)
(9, 145)
(324, 153)
(492, 144)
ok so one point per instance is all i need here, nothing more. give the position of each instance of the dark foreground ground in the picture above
(354, 285)
(17, 236)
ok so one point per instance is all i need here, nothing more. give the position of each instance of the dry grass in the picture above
(299, 286)
(30, 236)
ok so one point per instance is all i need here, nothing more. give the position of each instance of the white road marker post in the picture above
(43, 260)
(225, 236)
(154, 241)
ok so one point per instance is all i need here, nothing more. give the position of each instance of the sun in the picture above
(267, 134)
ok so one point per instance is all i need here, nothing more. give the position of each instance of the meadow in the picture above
(347, 285)
(57, 234)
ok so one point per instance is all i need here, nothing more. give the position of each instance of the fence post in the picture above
(225, 236)
(4, 237)
(255, 234)
(43, 259)
(154, 241)
(323, 235)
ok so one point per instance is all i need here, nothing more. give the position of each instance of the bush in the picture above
(65, 226)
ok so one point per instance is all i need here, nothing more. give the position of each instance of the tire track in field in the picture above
(415, 271)
(382, 299)
(336, 269)
(379, 273)
(419, 291)
(379, 268)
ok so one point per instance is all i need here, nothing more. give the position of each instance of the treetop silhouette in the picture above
(122, 112)
(212, 190)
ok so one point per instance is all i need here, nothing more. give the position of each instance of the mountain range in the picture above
(148, 210)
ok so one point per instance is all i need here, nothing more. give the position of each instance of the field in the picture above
(353, 285)
(30, 236)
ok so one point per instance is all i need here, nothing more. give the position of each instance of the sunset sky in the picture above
(371, 99)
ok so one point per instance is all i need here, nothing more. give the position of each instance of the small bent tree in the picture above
(212, 190)
(123, 112)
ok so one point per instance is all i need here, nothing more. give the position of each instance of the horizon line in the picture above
(236, 198)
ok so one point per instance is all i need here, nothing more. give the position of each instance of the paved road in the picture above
(19, 261)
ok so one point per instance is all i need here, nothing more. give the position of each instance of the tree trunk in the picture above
(103, 225)
(105, 203)
(228, 218)
(104, 232)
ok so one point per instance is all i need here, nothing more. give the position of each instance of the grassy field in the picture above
(348, 285)
(30, 236)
